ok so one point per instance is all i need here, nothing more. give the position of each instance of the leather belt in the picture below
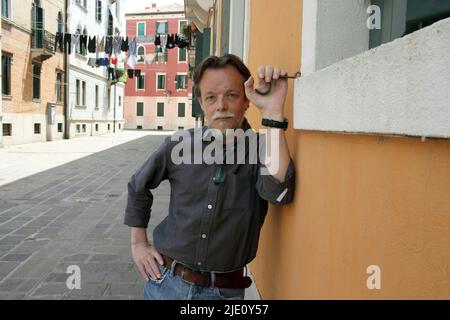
(232, 280)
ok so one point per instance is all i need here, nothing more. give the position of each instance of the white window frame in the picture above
(178, 56)
(187, 81)
(142, 75)
(96, 10)
(80, 95)
(179, 24)
(138, 55)
(160, 21)
(10, 10)
(137, 28)
(165, 81)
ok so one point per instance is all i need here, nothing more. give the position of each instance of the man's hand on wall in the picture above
(271, 105)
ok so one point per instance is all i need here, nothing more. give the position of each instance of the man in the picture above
(216, 210)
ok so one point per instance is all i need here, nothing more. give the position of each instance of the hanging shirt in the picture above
(132, 47)
(108, 45)
(75, 41)
(101, 44)
(132, 60)
(117, 43)
(92, 46)
(124, 45)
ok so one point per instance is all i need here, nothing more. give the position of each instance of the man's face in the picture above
(223, 98)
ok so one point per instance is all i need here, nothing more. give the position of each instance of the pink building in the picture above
(161, 98)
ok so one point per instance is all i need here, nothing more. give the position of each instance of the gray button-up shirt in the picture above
(210, 226)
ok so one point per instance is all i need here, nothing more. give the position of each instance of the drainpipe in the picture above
(66, 78)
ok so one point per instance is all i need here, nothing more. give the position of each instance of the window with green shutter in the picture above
(162, 27)
(36, 81)
(182, 54)
(161, 82)
(160, 109)
(181, 109)
(141, 29)
(140, 109)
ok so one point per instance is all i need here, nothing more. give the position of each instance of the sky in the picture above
(135, 5)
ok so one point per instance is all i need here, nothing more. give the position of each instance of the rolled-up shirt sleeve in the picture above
(274, 191)
(148, 176)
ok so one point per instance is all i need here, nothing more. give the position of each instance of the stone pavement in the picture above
(72, 214)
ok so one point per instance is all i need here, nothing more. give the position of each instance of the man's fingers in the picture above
(261, 72)
(142, 271)
(276, 73)
(150, 270)
(269, 73)
(158, 257)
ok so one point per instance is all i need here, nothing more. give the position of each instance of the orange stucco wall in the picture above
(361, 200)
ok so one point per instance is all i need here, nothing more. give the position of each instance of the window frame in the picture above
(139, 104)
(137, 28)
(36, 80)
(184, 109)
(6, 77)
(138, 79)
(59, 87)
(158, 74)
(158, 115)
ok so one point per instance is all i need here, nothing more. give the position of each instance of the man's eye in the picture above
(210, 98)
(232, 95)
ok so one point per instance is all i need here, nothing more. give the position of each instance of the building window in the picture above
(82, 3)
(59, 84)
(182, 54)
(139, 127)
(180, 128)
(162, 27)
(83, 127)
(37, 128)
(60, 127)
(141, 54)
(120, 126)
(120, 101)
(159, 127)
(6, 73)
(399, 18)
(139, 109)
(109, 99)
(7, 129)
(78, 128)
(96, 127)
(181, 81)
(140, 82)
(81, 93)
(96, 97)
(60, 23)
(110, 24)
(36, 81)
(160, 81)
(6, 8)
(141, 29)
(181, 109)
(109, 126)
(160, 109)
(161, 55)
(98, 10)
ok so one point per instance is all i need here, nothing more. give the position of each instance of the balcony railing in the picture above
(42, 44)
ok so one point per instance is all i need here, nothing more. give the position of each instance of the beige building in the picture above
(33, 74)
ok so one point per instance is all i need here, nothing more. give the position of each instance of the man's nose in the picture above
(221, 104)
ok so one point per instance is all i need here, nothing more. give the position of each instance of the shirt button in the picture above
(209, 206)
(203, 236)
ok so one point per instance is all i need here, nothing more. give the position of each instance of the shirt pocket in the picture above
(238, 192)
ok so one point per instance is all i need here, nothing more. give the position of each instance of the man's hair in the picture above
(214, 62)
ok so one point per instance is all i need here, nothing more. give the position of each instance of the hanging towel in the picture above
(101, 44)
(117, 43)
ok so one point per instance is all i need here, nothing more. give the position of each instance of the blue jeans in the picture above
(172, 287)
